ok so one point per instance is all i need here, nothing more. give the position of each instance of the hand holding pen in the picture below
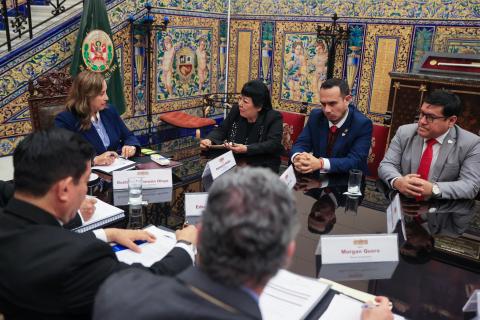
(381, 309)
(128, 151)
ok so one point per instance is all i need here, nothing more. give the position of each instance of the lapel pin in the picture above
(449, 141)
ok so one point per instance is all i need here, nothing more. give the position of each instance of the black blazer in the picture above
(48, 272)
(264, 138)
(7, 189)
(135, 294)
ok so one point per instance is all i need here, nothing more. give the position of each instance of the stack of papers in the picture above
(151, 252)
(290, 296)
(104, 214)
(118, 164)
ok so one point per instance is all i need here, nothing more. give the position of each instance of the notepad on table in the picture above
(104, 214)
(290, 296)
(118, 164)
(346, 308)
(151, 251)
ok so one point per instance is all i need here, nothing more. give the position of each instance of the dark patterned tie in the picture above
(332, 136)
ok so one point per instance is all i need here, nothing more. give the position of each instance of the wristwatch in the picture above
(436, 193)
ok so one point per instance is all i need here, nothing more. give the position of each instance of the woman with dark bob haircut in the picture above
(89, 114)
(252, 129)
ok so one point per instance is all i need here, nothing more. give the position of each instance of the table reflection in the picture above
(438, 244)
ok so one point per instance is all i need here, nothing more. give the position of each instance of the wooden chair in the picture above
(47, 98)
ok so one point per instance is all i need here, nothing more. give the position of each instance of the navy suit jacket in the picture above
(116, 129)
(351, 148)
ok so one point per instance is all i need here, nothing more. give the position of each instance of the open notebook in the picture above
(118, 164)
(289, 296)
(104, 214)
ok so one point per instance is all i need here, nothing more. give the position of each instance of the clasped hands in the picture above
(411, 185)
(234, 147)
(108, 157)
(305, 163)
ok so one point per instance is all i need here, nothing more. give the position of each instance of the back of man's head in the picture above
(247, 226)
(334, 82)
(45, 157)
(450, 102)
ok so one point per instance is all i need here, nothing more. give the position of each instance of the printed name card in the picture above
(195, 203)
(154, 178)
(359, 248)
(219, 165)
(289, 177)
(394, 214)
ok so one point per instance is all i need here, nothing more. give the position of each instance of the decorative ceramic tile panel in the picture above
(410, 9)
(403, 35)
(299, 65)
(237, 26)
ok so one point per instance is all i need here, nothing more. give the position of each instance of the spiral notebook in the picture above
(104, 214)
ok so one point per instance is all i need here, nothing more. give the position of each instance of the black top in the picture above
(263, 138)
(48, 272)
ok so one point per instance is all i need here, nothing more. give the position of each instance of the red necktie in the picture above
(426, 161)
(332, 136)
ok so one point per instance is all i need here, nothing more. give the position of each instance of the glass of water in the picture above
(135, 217)
(354, 181)
(135, 190)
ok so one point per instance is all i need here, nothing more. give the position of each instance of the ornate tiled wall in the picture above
(384, 36)
(189, 21)
(273, 40)
(405, 9)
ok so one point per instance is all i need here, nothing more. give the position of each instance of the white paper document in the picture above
(151, 252)
(345, 308)
(104, 214)
(118, 164)
(290, 296)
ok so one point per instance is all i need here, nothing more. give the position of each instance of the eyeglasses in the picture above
(430, 118)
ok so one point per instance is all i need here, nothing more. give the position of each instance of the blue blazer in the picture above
(351, 148)
(116, 129)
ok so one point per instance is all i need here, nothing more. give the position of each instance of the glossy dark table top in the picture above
(438, 265)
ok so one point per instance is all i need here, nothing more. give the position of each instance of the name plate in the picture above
(195, 203)
(394, 214)
(219, 165)
(359, 248)
(289, 177)
(154, 178)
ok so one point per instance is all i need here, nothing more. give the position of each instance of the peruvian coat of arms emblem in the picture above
(97, 51)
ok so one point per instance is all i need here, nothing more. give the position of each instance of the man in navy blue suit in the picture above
(337, 137)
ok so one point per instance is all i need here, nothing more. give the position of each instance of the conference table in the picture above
(438, 265)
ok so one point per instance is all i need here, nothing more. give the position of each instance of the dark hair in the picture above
(259, 93)
(334, 82)
(320, 221)
(450, 102)
(45, 157)
(248, 223)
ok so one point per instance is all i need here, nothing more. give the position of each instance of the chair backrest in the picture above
(378, 148)
(293, 124)
(47, 98)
